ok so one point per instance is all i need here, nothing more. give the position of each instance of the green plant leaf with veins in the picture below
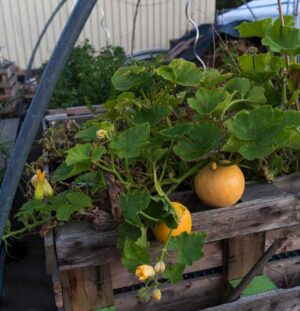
(174, 273)
(181, 72)
(133, 203)
(128, 144)
(188, 246)
(134, 255)
(199, 141)
(207, 100)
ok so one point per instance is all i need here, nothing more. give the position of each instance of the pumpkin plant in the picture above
(168, 124)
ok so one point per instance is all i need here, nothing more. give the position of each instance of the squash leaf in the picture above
(181, 72)
(128, 144)
(199, 141)
(188, 246)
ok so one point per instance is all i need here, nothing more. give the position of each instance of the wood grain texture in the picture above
(189, 295)
(49, 251)
(276, 300)
(121, 277)
(241, 253)
(86, 289)
(81, 245)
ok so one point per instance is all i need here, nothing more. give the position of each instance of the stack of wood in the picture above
(9, 87)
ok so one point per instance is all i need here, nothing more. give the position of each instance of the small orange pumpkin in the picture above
(161, 230)
(219, 185)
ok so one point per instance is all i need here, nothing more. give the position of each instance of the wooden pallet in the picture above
(7, 72)
(90, 274)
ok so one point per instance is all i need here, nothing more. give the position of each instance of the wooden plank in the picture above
(276, 300)
(289, 183)
(284, 272)
(240, 255)
(49, 251)
(76, 246)
(188, 295)
(88, 288)
(121, 277)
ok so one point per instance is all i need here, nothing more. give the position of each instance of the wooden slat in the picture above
(49, 251)
(276, 300)
(289, 183)
(189, 295)
(86, 289)
(202, 292)
(81, 245)
(121, 277)
(240, 255)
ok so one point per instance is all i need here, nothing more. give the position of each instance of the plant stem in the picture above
(149, 217)
(23, 230)
(190, 172)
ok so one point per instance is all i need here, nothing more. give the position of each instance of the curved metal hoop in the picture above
(188, 16)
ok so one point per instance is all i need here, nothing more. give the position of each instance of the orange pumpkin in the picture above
(219, 185)
(161, 230)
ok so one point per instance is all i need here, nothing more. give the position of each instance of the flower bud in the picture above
(156, 294)
(160, 267)
(144, 272)
(101, 134)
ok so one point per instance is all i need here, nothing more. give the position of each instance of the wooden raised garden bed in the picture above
(88, 274)
(9, 87)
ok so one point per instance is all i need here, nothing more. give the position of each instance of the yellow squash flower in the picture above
(144, 272)
(42, 187)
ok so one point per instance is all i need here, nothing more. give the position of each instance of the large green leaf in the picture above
(260, 67)
(174, 273)
(214, 77)
(65, 171)
(132, 204)
(283, 39)
(188, 246)
(152, 115)
(128, 144)
(181, 72)
(246, 92)
(176, 131)
(128, 78)
(79, 153)
(87, 134)
(259, 132)
(254, 29)
(69, 202)
(199, 142)
(207, 100)
(134, 255)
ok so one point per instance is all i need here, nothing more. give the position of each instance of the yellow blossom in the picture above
(101, 133)
(160, 267)
(144, 272)
(42, 187)
(156, 294)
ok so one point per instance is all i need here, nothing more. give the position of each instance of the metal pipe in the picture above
(38, 106)
(31, 60)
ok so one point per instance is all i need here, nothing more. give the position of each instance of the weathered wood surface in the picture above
(188, 295)
(276, 300)
(240, 255)
(49, 251)
(121, 277)
(81, 245)
(8, 72)
(86, 289)
(8, 133)
(74, 111)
